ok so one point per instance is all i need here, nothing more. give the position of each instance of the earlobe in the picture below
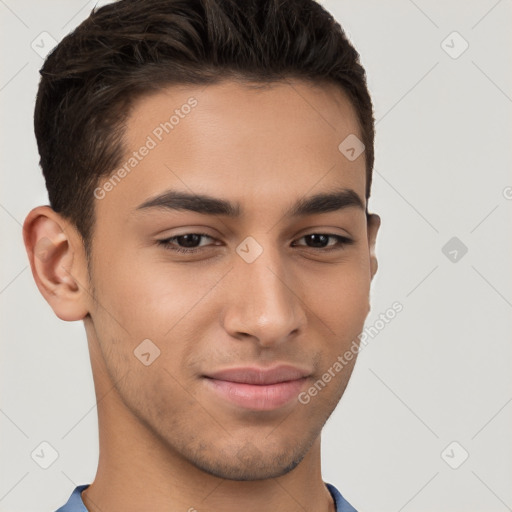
(373, 225)
(57, 261)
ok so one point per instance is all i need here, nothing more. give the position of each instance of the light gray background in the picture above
(438, 373)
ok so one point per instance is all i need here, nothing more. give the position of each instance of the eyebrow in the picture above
(207, 205)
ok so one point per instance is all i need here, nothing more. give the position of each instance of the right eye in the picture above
(187, 243)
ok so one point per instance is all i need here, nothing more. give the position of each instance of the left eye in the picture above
(191, 242)
(321, 241)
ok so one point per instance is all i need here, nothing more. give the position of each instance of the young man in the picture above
(208, 164)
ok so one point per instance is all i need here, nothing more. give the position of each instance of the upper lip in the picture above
(258, 375)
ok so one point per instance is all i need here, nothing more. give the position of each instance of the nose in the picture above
(264, 303)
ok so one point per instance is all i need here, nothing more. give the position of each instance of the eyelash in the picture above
(342, 242)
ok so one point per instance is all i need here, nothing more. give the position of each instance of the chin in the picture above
(249, 463)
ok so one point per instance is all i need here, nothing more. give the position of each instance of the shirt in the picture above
(75, 503)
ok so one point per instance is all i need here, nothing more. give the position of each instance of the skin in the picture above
(165, 438)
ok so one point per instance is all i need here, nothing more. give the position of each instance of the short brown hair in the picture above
(130, 47)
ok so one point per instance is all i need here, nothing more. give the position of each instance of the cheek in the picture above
(146, 298)
(340, 295)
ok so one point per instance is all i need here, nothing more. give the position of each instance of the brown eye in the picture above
(188, 240)
(186, 243)
(322, 241)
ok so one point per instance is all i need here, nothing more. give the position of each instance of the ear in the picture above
(372, 228)
(57, 259)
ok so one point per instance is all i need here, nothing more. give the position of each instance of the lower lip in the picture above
(257, 397)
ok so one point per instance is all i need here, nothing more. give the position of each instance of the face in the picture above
(224, 289)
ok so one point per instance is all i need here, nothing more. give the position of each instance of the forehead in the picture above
(251, 143)
(297, 107)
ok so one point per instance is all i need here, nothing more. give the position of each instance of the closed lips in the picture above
(259, 376)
